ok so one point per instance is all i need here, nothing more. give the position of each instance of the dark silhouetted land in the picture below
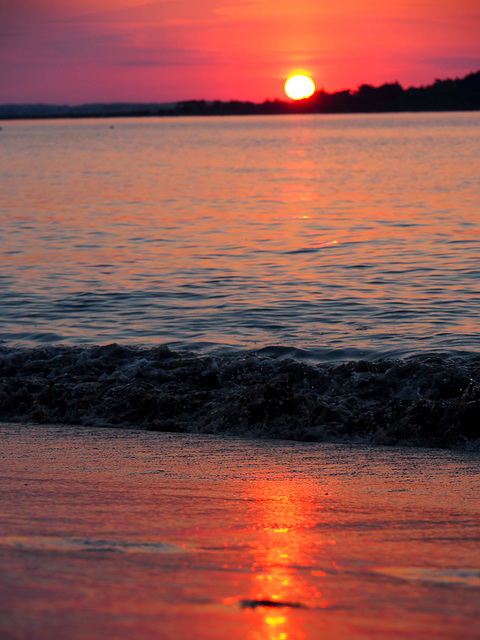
(461, 94)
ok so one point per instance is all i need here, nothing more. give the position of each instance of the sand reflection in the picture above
(288, 554)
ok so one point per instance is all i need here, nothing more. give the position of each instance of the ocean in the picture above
(208, 327)
(297, 277)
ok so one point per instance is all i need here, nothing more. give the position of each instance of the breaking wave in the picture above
(431, 400)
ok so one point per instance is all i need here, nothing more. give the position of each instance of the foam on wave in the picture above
(421, 401)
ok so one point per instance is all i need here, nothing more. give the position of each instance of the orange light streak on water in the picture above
(284, 516)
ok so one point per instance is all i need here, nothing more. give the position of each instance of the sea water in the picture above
(340, 241)
(357, 233)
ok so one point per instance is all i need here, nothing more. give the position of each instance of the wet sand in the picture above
(126, 534)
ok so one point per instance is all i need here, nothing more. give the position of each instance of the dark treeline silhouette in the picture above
(443, 95)
(461, 94)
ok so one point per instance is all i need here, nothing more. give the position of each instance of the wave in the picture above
(431, 400)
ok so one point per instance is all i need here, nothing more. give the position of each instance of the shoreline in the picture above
(429, 401)
(460, 94)
(121, 533)
(114, 116)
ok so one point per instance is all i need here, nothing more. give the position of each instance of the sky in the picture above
(80, 51)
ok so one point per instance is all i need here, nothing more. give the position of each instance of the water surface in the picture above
(345, 236)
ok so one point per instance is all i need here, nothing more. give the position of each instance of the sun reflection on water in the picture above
(286, 556)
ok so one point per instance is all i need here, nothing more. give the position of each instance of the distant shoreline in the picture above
(442, 96)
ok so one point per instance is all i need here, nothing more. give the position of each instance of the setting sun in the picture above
(298, 87)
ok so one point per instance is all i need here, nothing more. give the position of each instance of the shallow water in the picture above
(345, 236)
(118, 533)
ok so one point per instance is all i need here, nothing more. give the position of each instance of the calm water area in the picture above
(345, 236)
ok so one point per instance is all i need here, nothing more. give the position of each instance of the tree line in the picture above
(461, 94)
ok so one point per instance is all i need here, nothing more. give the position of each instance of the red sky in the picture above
(76, 51)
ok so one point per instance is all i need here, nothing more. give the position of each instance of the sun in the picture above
(298, 87)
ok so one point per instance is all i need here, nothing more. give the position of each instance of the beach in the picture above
(121, 533)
